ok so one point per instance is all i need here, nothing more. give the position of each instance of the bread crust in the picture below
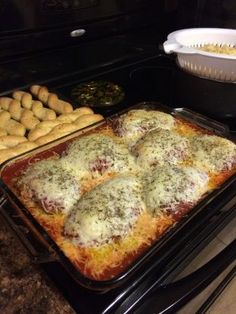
(26, 122)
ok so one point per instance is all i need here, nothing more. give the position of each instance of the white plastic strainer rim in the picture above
(178, 47)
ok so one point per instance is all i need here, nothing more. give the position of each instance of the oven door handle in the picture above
(171, 297)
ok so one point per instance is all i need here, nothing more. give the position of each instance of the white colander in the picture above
(215, 66)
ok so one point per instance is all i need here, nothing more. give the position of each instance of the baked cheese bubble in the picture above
(54, 187)
(213, 153)
(135, 123)
(161, 147)
(97, 154)
(167, 188)
(106, 213)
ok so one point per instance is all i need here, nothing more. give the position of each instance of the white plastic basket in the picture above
(215, 66)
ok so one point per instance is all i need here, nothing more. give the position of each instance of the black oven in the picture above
(61, 43)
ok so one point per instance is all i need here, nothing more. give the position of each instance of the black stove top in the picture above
(138, 67)
(64, 63)
(156, 77)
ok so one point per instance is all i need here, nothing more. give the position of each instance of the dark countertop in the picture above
(24, 287)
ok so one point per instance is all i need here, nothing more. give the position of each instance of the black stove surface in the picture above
(158, 78)
(49, 65)
(132, 60)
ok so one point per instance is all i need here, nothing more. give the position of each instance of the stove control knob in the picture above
(77, 32)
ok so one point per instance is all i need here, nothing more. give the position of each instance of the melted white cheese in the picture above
(134, 124)
(97, 154)
(106, 212)
(167, 187)
(213, 153)
(161, 147)
(54, 187)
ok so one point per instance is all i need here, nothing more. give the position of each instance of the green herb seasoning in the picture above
(98, 94)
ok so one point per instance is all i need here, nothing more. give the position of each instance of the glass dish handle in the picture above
(38, 252)
(202, 121)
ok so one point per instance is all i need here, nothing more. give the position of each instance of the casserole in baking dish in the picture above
(107, 195)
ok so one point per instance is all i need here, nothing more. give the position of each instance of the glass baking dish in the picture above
(11, 169)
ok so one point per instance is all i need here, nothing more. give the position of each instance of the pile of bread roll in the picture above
(31, 119)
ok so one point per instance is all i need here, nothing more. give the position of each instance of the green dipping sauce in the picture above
(98, 94)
